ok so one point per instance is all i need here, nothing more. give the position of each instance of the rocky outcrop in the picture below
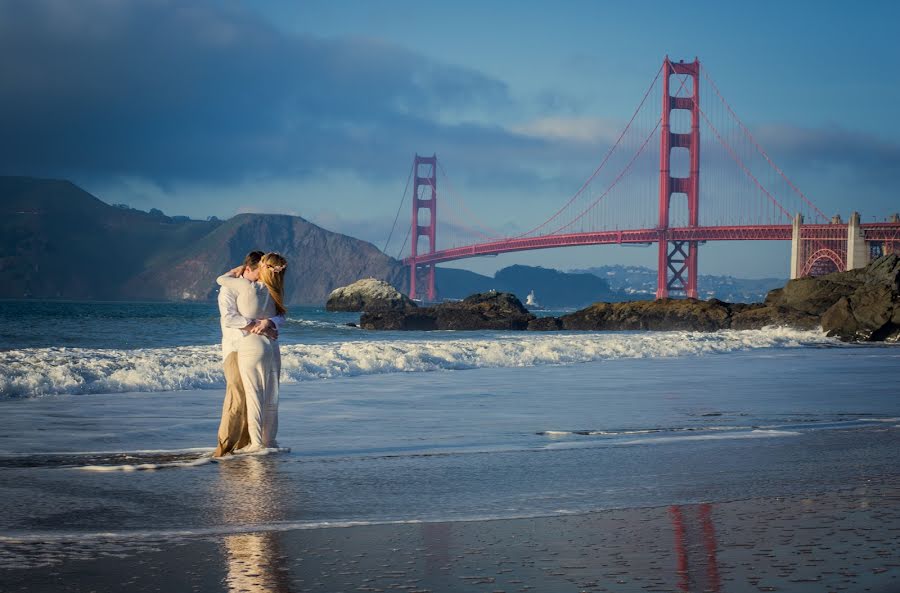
(545, 324)
(490, 310)
(757, 316)
(664, 314)
(868, 309)
(859, 305)
(369, 294)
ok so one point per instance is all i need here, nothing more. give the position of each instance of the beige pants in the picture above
(233, 432)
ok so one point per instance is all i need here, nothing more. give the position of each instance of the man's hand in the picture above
(265, 327)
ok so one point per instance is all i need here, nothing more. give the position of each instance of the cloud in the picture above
(571, 129)
(192, 91)
(202, 93)
(865, 158)
(205, 96)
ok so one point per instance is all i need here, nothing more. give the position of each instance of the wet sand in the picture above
(833, 541)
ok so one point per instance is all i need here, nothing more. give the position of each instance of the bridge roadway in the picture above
(878, 231)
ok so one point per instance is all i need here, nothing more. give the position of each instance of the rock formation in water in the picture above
(491, 310)
(369, 294)
(871, 310)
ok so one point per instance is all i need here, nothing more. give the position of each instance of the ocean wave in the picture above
(52, 371)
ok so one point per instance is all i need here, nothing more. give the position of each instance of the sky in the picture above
(316, 108)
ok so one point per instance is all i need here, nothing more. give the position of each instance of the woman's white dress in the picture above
(259, 360)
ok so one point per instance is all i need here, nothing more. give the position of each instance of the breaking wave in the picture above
(33, 372)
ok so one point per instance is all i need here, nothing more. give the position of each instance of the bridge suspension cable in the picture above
(741, 164)
(397, 217)
(625, 170)
(458, 201)
(615, 182)
(760, 150)
(602, 163)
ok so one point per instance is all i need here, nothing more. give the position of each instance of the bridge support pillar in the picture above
(677, 268)
(424, 201)
(662, 268)
(857, 252)
(796, 264)
(677, 265)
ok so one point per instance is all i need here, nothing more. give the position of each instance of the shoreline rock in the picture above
(490, 310)
(369, 294)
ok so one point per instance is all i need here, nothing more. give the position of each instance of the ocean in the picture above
(111, 409)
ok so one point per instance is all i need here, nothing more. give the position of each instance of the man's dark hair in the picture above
(252, 259)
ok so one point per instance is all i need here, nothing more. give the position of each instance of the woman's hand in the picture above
(236, 272)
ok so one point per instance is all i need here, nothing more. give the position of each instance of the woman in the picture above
(259, 358)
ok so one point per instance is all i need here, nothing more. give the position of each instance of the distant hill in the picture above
(58, 241)
(553, 289)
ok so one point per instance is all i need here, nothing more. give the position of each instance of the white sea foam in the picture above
(128, 467)
(752, 434)
(46, 371)
(182, 463)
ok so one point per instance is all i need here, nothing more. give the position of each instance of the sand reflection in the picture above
(254, 561)
(695, 548)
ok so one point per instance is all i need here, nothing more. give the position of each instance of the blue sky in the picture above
(316, 108)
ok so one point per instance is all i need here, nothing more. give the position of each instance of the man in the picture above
(233, 432)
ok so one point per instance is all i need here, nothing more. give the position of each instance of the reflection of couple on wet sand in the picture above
(251, 305)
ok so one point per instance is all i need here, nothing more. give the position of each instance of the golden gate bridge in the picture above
(647, 190)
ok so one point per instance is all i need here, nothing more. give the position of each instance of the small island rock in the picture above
(368, 295)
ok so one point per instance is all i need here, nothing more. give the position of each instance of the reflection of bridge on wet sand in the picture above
(695, 548)
(841, 539)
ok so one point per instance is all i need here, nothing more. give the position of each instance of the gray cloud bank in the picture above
(202, 92)
(190, 90)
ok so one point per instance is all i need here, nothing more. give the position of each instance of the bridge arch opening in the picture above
(823, 261)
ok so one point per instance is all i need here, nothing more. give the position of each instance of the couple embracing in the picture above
(251, 305)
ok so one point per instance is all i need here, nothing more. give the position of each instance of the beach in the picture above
(450, 461)
(835, 541)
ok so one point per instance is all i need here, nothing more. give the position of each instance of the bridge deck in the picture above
(885, 231)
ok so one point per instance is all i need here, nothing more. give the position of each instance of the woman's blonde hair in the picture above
(271, 273)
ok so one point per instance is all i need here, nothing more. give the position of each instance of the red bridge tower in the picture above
(677, 268)
(423, 200)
